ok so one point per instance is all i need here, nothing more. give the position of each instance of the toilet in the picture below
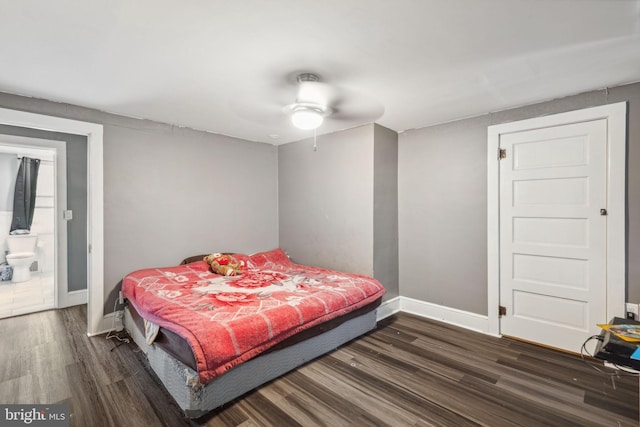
(21, 255)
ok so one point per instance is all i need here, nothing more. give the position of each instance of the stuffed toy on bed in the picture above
(225, 265)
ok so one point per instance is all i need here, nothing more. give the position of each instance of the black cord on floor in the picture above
(628, 372)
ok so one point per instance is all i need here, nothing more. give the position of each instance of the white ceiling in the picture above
(229, 66)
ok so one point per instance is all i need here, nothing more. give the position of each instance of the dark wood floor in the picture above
(410, 371)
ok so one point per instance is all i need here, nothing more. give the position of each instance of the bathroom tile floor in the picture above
(27, 297)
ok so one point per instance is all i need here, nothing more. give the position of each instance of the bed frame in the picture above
(197, 399)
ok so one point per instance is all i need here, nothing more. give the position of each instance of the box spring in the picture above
(174, 365)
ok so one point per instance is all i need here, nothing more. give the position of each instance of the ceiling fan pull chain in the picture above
(315, 136)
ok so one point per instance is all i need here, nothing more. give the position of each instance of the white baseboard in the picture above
(388, 308)
(106, 325)
(465, 319)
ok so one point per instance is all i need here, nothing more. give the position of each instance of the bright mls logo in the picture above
(34, 415)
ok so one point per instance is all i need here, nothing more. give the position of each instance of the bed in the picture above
(211, 338)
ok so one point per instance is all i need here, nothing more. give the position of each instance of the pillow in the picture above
(225, 265)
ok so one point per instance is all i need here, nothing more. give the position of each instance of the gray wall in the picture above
(8, 172)
(385, 209)
(76, 149)
(442, 201)
(172, 192)
(326, 200)
(338, 205)
(77, 201)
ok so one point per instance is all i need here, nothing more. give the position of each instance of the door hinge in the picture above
(502, 153)
(502, 310)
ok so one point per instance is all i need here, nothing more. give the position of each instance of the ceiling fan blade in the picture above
(317, 93)
(355, 106)
(262, 103)
(262, 113)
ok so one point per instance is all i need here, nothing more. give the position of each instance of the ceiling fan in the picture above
(312, 104)
(303, 100)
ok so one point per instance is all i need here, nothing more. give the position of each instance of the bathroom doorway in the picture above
(88, 155)
(48, 269)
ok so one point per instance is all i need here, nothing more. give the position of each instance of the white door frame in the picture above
(616, 116)
(96, 321)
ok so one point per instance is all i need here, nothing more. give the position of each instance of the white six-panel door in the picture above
(553, 234)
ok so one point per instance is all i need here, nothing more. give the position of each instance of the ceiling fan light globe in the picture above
(307, 118)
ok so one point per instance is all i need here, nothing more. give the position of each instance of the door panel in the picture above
(561, 312)
(551, 191)
(552, 236)
(567, 151)
(551, 231)
(551, 271)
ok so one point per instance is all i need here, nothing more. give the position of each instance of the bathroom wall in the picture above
(43, 219)
(8, 171)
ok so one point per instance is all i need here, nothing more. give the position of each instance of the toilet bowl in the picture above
(21, 255)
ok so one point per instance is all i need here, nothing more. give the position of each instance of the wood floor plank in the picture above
(19, 389)
(86, 405)
(124, 407)
(307, 402)
(354, 400)
(264, 412)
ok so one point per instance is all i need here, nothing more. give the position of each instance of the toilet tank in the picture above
(22, 243)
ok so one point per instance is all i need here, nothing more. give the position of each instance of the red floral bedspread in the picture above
(230, 319)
